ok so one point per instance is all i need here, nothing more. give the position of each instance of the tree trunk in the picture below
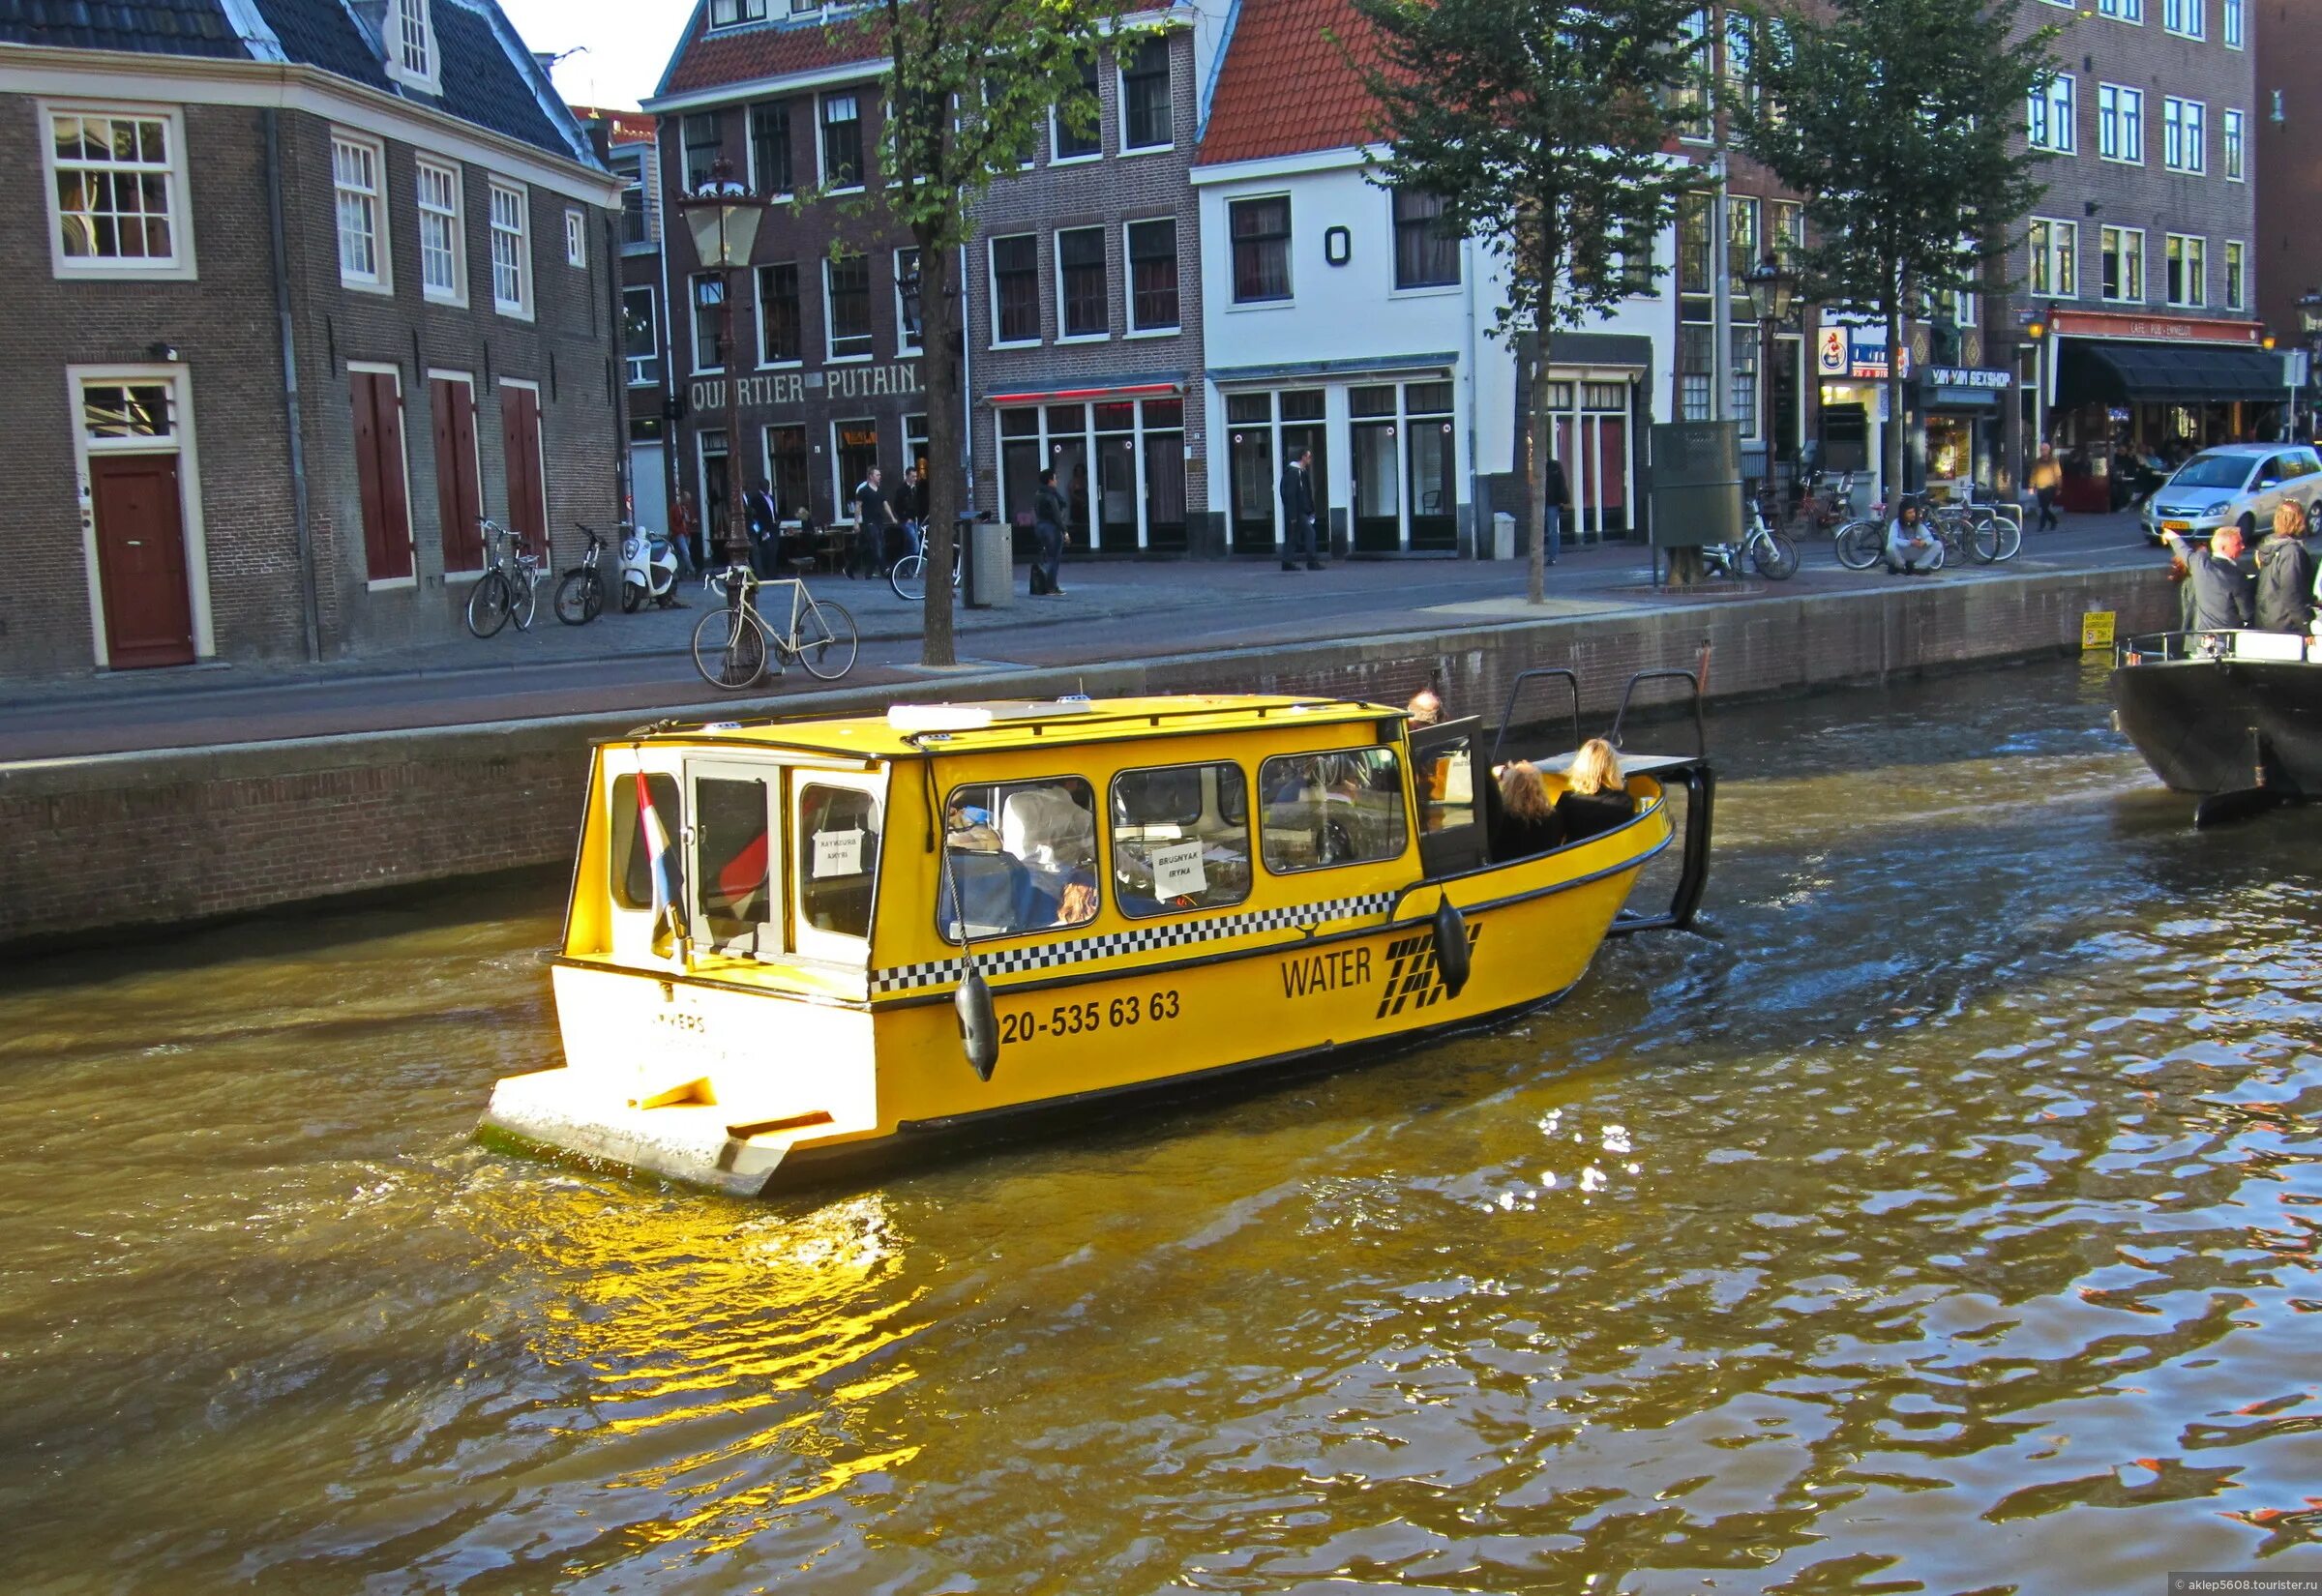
(1533, 350)
(939, 359)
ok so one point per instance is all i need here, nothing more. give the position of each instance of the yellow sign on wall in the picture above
(2095, 628)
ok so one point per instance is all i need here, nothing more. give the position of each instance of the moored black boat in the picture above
(2234, 716)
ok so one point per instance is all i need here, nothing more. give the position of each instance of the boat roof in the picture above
(927, 730)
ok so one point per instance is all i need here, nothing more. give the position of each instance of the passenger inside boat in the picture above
(1528, 821)
(1331, 808)
(1036, 869)
(1596, 796)
(1180, 838)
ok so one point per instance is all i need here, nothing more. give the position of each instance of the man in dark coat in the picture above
(1559, 496)
(2219, 594)
(1297, 512)
(2285, 575)
(1049, 512)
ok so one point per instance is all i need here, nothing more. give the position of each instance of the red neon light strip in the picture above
(1085, 394)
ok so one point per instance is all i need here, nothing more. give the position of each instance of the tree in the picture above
(1899, 120)
(1542, 126)
(970, 87)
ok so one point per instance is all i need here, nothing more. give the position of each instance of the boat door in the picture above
(641, 793)
(734, 808)
(1453, 818)
(840, 818)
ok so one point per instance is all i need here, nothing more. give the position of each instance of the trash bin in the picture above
(1504, 535)
(989, 578)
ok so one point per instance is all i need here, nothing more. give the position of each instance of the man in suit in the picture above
(1297, 512)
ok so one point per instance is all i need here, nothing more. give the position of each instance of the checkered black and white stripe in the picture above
(1019, 957)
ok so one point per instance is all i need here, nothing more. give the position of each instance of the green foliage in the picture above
(1542, 124)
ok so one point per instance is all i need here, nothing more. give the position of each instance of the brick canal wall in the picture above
(153, 839)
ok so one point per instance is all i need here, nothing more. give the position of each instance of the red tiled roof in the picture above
(1287, 88)
(743, 55)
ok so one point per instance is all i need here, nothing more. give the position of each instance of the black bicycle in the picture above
(581, 591)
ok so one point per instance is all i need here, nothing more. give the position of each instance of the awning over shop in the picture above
(2165, 373)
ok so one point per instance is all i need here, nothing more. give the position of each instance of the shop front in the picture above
(810, 435)
(1851, 362)
(1120, 456)
(2154, 390)
(1963, 410)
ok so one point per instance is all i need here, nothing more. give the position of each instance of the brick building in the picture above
(2286, 127)
(313, 286)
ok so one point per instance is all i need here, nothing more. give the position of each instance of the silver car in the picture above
(2238, 483)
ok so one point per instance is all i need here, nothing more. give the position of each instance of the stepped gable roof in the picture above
(765, 49)
(1286, 87)
(488, 76)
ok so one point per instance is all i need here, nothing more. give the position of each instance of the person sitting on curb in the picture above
(1908, 542)
(2217, 593)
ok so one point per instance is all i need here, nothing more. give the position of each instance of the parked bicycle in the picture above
(581, 591)
(1772, 554)
(508, 588)
(735, 645)
(908, 575)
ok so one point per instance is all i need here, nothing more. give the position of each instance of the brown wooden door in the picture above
(519, 450)
(459, 487)
(141, 560)
(379, 472)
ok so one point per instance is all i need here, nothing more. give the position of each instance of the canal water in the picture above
(1945, 1222)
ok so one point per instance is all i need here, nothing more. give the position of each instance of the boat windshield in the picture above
(2213, 471)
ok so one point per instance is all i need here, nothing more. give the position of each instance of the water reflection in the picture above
(1946, 1222)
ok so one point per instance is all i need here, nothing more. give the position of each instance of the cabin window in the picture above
(632, 858)
(732, 857)
(1180, 838)
(838, 860)
(1018, 856)
(1322, 809)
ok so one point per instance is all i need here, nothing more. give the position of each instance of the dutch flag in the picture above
(660, 861)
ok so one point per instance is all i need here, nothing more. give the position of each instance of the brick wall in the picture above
(153, 839)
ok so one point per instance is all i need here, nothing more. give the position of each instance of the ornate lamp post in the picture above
(722, 216)
(1773, 295)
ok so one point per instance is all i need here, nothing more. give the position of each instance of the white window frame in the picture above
(1055, 250)
(711, 367)
(2188, 121)
(188, 490)
(629, 362)
(2196, 281)
(177, 266)
(2052, 114)
(2236, 262)
(992, 244)
(1128, 282)
(906, 345)
(402, 18)
(576, 237)
(735, 13)
(2122, 11)
(758, 308)
(830, 326)
(2234, 137)
(2121, 110)
(456, 218)
(2136, 237)
(2233, 24)
(821, 142)
(380, 278)
(2192, 15)
(1120, 97)
(388, 584)
(2064, 244)
(519, 308)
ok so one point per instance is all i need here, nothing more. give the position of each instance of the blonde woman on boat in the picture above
(1596, 798)
(1527, 819)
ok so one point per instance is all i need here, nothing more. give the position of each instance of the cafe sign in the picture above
(1850, 351)
(1968, 376)
(2159, 329)
(780, 387)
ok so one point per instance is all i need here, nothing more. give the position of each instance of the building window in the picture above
(2235, 169)
(2048, 115)
(1016, 290)
(576, 238)
(704, 142)
(847, 282)
(770, 147)
(787, 467)
(780, 326)
(1152, 250)
(1426, 250)
(2233, 24)
(2185, 16)
(442, 240)
(128, 410)
(907, 337)
(511, 252)
(1081, 286)
(2123, 252)
(2121, 123)
(2122, 11)
(732, 13)
(2055, 258)
(1071, 145)
(640, 340)
(1261, 234)
(2235, 297)
(116, 189)
(2183, 147)
(1785, 229)
(1636, 260)
(2188, 278)
(1694, 243)
(414, 43)
(1145, 119)
(709, 321)
(362, 224)
(842, 142)
(1690, 97)
(630, 168)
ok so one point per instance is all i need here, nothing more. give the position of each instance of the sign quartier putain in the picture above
(776, 387)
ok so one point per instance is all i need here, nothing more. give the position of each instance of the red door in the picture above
(459, 488)
(379, 473)
(141, 560)
(519, 449)
(1611, 459)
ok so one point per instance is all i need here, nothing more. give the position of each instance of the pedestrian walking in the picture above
(763, 518)
(2285, 573)
(873, 522)
(1048, 537)
(685, 527)
(1297, 512)
(913, 496)
(2047, 480)
(1560, 499)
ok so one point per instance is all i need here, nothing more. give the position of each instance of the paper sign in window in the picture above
(1178, 871)
(838, 853)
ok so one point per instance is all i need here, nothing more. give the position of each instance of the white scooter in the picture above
(648, 570)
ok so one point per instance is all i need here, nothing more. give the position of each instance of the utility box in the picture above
(1696, 484)
(1504, 535)
(989, 578)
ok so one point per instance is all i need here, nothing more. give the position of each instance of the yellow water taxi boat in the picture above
(797, 946)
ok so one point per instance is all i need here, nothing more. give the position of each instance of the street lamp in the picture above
(722, 216)
(1773, 294)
